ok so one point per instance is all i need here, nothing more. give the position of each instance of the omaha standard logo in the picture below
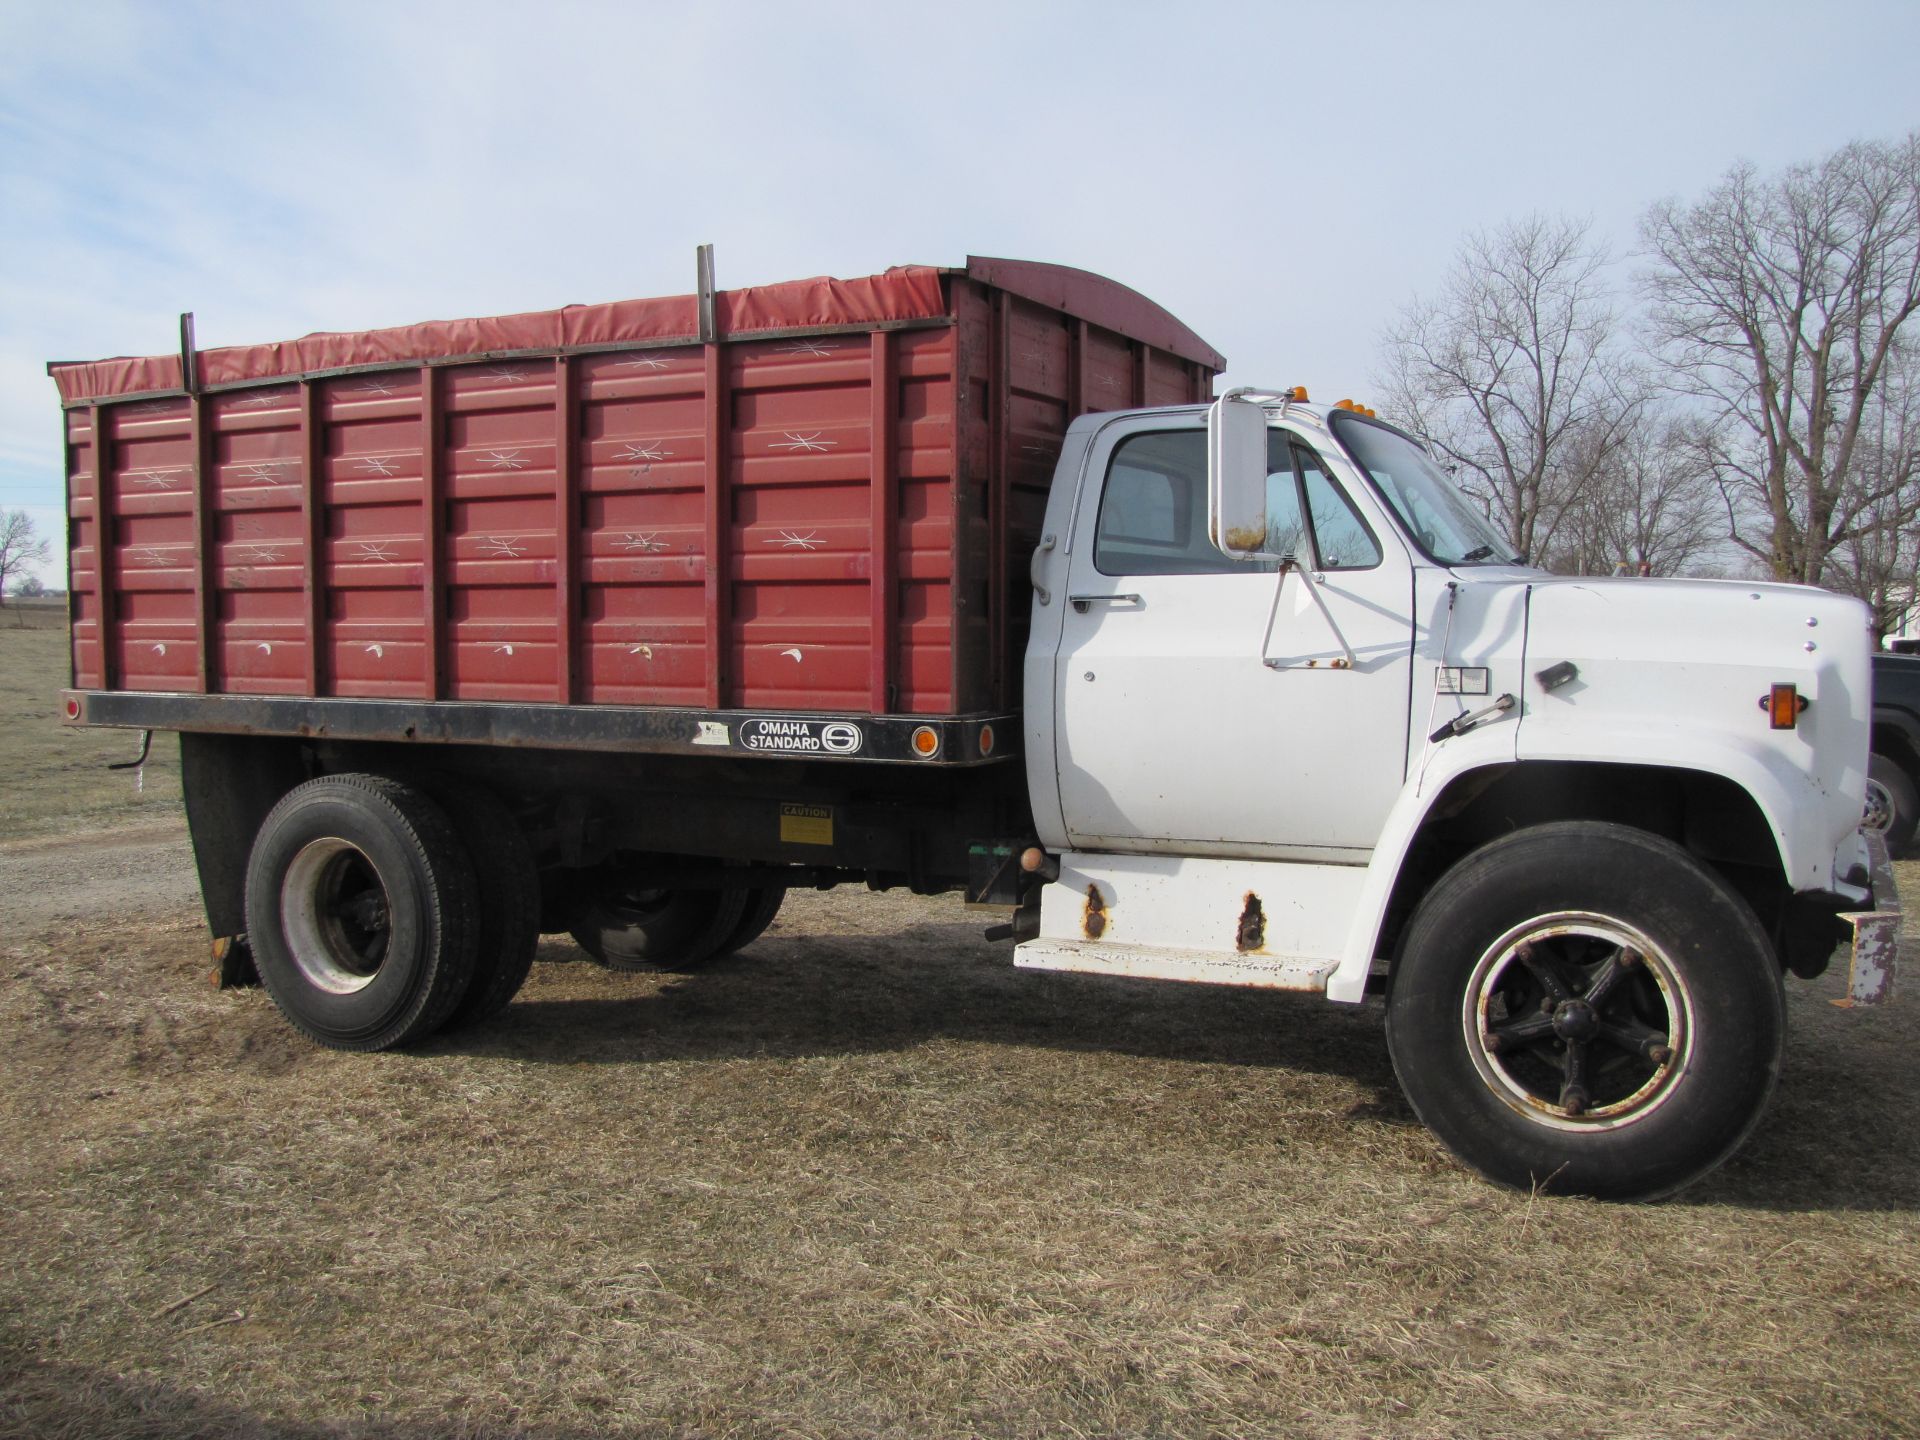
(802, 737)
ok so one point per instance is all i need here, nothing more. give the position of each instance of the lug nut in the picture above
(1659, 1054)
(1574, 1101)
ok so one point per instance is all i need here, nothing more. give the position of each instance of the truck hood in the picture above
(1677, 671)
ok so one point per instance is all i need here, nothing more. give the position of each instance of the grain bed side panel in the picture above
(926, 431)
(640, 545)
(498, 530)
(257, 556)
(372, 521)
(810, 493)
(150, 632)
(84, 588)
(969, 662)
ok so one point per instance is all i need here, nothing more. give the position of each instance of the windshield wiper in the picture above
(1479, 552)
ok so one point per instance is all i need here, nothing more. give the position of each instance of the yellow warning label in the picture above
(806, 824)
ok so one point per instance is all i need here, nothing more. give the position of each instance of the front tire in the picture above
(1584, 1007)
(361, 912)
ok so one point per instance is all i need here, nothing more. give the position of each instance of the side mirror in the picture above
(1237, 476)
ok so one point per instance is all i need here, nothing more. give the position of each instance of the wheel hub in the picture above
(1879, 811)
(335, 915)
(1575, 1020)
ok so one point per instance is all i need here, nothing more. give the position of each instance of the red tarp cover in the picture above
(905, 293)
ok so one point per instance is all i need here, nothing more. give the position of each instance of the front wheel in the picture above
(1586, 1008)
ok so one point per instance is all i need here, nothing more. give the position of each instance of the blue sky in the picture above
(1281, 178)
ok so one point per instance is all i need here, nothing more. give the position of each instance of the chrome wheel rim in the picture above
(1578, 1021)
(1878, 815)
(336, 916)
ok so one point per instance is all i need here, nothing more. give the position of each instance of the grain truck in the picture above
(624, 620)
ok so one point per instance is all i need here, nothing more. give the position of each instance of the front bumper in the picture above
(1876, 933)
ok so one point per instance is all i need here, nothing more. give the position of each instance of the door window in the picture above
(1153, 510)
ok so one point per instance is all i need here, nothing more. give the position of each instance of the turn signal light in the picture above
(1783, 704)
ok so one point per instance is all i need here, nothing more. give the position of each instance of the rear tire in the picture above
(627, 925)
(361, 912)
(760, 908)
(1584, 1007)
(509, 898)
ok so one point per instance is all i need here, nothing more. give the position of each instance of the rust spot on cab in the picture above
(1093, 921)
(1252, 932)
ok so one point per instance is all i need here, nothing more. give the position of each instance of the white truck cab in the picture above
(1297, 717)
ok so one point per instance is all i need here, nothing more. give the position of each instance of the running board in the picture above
(1278, 925)
(1154, 962)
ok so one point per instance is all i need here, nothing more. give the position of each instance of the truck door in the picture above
(1182, 724)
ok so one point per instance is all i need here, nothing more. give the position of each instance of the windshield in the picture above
(1441, 520)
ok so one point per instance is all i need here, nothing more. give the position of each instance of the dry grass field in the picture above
(865, 1179)
(54, 780)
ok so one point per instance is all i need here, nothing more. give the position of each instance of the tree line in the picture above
(1750, 402)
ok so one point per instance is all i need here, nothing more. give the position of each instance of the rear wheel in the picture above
(627, 925)
(509, 896)
(1586, 1008)
(760, 908)
(361, 912)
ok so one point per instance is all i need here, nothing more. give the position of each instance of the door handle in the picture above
(1037, 566)
(1081, 602)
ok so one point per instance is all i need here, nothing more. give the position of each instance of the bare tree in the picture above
(19, 548)
(1649, 508)
(1512, 362)
(1879, 558)
(1779, 306)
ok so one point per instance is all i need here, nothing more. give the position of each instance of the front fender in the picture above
(1806, 856)
(1490, 746)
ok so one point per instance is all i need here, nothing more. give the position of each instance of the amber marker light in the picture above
(986, 739)
(926, 742)
(1783, 704)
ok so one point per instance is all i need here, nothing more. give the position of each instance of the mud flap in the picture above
(233, 967)
(1876, 934)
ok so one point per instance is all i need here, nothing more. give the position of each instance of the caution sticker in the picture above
(806, 824)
